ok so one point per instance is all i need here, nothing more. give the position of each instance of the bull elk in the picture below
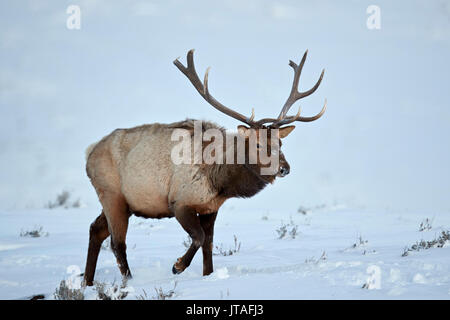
(132, 173)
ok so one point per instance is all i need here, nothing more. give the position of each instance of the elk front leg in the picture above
(207, 222)
(190, 222)
(98, 232)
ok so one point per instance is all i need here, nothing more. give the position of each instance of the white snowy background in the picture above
(373, 168)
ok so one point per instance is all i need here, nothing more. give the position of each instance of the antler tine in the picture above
(189, 71)
(298, 113)
(297, 117)
(253, 114)
(294, 90)
(205, 82)
(278, 123)
(295, 94)
(203, 89)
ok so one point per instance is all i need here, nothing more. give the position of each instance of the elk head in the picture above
(268, 132)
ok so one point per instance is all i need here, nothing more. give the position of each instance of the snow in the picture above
(338, 253)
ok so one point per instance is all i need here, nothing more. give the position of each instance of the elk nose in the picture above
(284, 171)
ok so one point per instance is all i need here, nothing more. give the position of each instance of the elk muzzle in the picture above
(284, 171)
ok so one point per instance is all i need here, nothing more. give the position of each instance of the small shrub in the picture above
(143, 296)
(103, 291)
(64, 292)
(293, 232)
(291, 228)
(76, 204)
(113, 292)
(313, 260)
(229, 252)
(438, 242)
(62, 200)
(369, 285)
(160, 294)
(426, 225)
(366, 252)
(360, 242)
(405, 251)
(163, 295)
(282, 231)
(219, 250)
(305, 210)
(36, 232)
(222, 296)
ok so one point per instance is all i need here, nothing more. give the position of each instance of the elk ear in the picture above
(243, 130)
(284, 132)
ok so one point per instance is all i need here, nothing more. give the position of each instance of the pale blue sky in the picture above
(383, 141)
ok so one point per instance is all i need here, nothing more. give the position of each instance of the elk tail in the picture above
(89, 149)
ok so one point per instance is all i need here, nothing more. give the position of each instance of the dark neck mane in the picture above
(235, 180)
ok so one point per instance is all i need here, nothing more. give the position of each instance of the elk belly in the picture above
(146, 201)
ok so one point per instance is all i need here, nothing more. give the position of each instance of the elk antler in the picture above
(282, 119)
(293, 97)
(202, 88)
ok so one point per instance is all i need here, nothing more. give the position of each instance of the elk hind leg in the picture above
(117, 214)
(98, 232)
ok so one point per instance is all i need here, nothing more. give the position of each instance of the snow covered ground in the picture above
(335, 252)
